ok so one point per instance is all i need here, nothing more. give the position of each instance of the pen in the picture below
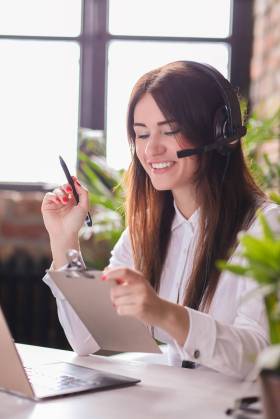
(88, 219)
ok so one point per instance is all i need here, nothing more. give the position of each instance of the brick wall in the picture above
(28, 304)
(21, 225)
(265, 65)
(22, 231)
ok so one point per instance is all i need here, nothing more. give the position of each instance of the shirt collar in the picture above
(179, 219)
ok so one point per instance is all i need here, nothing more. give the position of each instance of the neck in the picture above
(186, 202)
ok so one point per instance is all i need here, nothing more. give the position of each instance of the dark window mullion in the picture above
(168, 39)
(40, 38)
(241, 42)
(93, 64)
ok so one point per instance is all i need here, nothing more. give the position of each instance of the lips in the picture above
(161, 167)
(161, 164)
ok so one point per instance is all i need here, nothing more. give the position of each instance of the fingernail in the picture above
(103, 277)
(68, 189)
(119, 281)
(65, 199)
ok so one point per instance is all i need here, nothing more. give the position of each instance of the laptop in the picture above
(49, 380)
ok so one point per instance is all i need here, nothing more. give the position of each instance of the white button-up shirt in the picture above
(227, 338)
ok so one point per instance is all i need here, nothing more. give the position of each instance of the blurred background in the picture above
(67, 68)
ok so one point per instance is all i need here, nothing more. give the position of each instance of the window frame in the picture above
(94, 39)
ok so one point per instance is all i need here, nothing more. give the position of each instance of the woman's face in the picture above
(157, 141)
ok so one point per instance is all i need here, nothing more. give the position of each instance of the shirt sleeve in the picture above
(229, 349)
(122, 255)
(75, 331)
(232, 348)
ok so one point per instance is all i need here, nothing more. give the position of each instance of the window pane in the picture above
(127, 62)
(40, 17)
(199, 18)
(39, 85)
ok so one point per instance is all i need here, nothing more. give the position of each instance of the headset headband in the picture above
(232, 108)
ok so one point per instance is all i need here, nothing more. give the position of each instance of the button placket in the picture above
(184, 258)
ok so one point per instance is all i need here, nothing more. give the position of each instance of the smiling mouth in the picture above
(162, 165)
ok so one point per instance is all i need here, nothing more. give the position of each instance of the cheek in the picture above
(140, 152)
(190, 166)
(193, 162)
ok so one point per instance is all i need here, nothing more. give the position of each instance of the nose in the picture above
(154, 146)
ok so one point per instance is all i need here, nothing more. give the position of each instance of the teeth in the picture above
(161, 165)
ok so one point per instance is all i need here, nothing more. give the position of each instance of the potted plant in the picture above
(261, 256)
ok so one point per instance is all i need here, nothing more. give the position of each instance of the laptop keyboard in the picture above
(59, 378)
(55, 382)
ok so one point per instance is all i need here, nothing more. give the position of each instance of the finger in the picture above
(67, 188)
(124, 300)
(61, 195)
(127, 310)
(124, 274)
(59, 192)
(117, 292)
(82, 192)
(50, 198)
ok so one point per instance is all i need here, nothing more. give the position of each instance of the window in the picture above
(123, 73)
(71, 63)
(179, 18)
(39, 85)
(167, 28)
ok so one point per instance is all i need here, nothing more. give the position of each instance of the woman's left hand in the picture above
(134, 296)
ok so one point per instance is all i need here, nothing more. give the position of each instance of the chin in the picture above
(162, 187)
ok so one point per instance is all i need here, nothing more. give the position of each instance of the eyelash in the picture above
(144, 136)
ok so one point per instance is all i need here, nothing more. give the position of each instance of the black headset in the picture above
(227, 123)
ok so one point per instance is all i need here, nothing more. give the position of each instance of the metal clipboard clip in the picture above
(76, 267)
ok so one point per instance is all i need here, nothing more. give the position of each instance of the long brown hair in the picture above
(191, 98)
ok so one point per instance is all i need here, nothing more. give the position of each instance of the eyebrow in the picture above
(139, 124)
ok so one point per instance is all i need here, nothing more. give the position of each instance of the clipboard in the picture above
(89, 296)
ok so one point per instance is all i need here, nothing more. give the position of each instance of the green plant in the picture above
(105, 193)
(261, 257)
(106, 197)
(261, 131)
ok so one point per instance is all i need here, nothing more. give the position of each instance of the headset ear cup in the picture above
(220, 124)
(221, 128)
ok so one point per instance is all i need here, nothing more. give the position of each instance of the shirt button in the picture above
(196, 354)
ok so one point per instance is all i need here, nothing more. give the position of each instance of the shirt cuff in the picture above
(53, 287)
(200, 343)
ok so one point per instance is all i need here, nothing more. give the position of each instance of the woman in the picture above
(182, 215)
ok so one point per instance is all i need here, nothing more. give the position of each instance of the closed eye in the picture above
(142, 136)
(169, 133)
(174, 132)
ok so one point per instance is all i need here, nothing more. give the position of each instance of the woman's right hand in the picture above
(63, 218)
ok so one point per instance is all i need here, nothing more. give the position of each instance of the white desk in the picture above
(164, 392)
